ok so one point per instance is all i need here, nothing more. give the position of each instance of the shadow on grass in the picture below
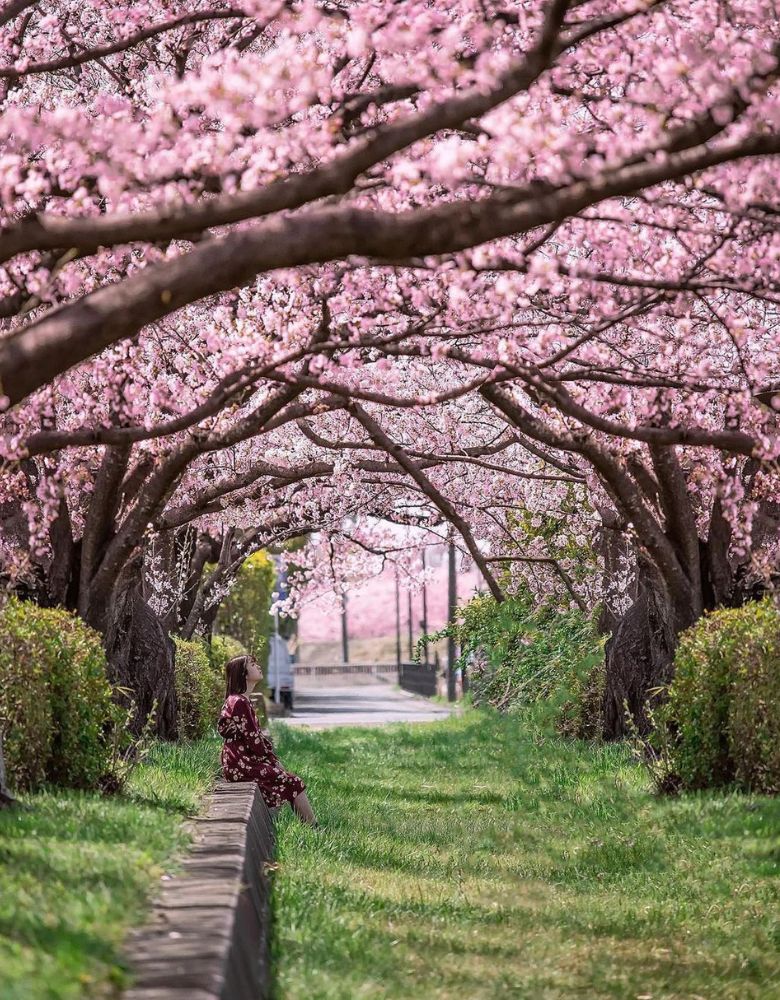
(58, 938)
(77, 867)
(151, 801)
(85, 874)
(634, 889)
(382, 792)
(455, 944)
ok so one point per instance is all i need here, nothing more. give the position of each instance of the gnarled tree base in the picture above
(639, 657)
(141, 658)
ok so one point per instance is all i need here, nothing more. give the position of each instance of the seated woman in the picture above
(248, 755)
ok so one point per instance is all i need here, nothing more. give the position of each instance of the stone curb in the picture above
(208, 935)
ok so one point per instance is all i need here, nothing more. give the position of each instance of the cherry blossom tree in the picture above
(376, 131)
(667, 411)
(265, 266)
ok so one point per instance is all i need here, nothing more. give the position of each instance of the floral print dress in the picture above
(247, 755)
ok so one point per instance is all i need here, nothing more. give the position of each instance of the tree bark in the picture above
(639, 655)
(6, 799)
(141, 654)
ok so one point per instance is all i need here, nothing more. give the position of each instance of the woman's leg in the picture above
(302, 807)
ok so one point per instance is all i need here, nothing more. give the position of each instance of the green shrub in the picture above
(81, 704)
(25, 704)
(521, 653)
(55, 700)
(222, 649)
(244, 612)
(199, 689)
(581, 713)
(724, 702)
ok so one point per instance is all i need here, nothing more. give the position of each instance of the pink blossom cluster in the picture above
(324, 270)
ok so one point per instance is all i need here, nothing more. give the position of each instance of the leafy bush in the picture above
(55, 700)
(520, 653)
(222, 649)
(244, 612)
(580, 716)
(81, 704)
(25, 704)
(199, 688)
(127, 745)
(723, 708)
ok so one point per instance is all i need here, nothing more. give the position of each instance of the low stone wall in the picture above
(209, 932)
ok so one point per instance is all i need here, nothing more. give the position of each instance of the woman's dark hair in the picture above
(235, 675)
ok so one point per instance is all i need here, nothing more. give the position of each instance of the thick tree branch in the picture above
(625, 493)
(121, 45)
(37, 353)
(334, 178)
(396, 452)
(679, 516)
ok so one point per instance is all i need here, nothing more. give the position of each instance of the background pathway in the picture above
(341, 700)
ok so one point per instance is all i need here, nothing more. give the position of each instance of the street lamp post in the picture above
(277, 664)
(411, 625)
(347, 525)
(397, 620)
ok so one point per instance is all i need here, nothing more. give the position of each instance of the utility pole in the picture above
(424, 622)
(452, 603)
(397, 620)
(344, 630)
(276, 660)
(411, 626)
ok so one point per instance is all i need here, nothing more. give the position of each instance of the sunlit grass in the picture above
(476, 858)
(77, 869)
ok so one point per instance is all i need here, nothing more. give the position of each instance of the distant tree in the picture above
(244, 613)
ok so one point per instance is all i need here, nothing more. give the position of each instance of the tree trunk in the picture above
(141, 654)
(6, 799)
(640, 653)
(617, 552)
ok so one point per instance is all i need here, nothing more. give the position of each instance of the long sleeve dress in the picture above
(247, 755)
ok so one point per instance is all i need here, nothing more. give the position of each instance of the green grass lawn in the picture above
(477, 858)
(77, 869)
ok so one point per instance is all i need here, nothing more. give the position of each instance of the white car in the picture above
(280, 672)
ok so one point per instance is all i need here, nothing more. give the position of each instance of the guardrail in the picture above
(309, 669)
(420, 678)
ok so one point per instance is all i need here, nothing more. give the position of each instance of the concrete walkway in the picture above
(341, 700)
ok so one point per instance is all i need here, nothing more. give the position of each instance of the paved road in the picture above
(342, 701)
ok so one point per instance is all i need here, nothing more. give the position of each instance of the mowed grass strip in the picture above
(477, 857)
(77, 870)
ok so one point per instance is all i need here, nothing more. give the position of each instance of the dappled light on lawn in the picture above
(477, 856)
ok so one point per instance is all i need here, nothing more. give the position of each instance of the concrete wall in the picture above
(208, 935)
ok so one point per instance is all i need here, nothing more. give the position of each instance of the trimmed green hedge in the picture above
(55, 699)
(723, 709)
(199, 688)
